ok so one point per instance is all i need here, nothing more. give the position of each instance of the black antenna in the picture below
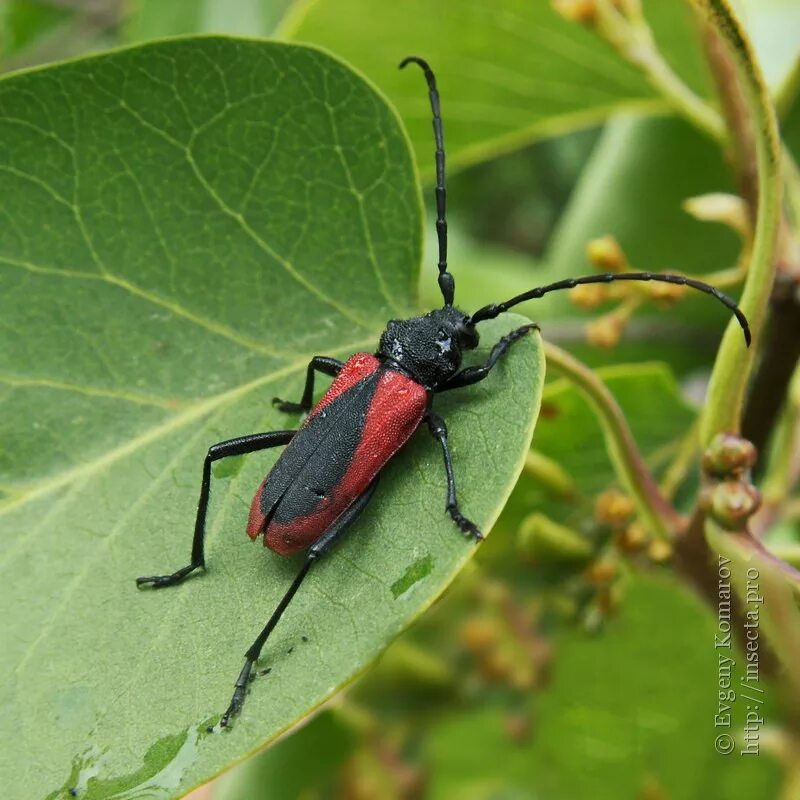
(492, 311)
(446, 282)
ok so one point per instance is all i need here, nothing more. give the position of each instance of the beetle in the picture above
(327, 474)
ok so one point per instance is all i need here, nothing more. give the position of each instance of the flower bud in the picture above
(613, 508)
(606, 254)
(732, 503)
(583, 11)
(478, 635)
(667, 293)
(728, 455)
(659, 551)
(728, 209)
(632, 539)
(589, 295)
(601, 572)
(605, 331)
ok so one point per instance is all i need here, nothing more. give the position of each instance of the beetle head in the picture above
(430, 347)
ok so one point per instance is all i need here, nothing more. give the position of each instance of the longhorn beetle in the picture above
(328, 472)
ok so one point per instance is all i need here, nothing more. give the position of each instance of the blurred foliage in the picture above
(23, 22)
(548, 75)
(150, 19)
(570, 661)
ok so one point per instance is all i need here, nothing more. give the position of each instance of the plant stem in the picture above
(681, 463)
(741, 144)
(625, 456)
(726, 393)
(632, 38)
(768, 393)
(777, 584)
(783, 469)
(781, 345)
(791, 176)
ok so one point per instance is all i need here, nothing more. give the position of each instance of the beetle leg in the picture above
(315, 552)
(472, 375)
(324, 364)
(439, 432)
(232, 447)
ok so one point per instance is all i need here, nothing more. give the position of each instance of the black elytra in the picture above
(330, 468)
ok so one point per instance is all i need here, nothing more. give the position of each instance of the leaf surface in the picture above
(184, 225)
(509, 72)
(512, 72)
(151, 19)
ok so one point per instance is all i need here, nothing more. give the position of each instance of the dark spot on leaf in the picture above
(227, 467)
(549, 411)
(420, 569)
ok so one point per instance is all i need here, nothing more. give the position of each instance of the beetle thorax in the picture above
(429, 347)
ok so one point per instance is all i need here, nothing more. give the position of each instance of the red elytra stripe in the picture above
(394, 414)
(356, 368)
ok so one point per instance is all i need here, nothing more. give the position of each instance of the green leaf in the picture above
(735, 363)
(627, 714)
(513, 72)
(24, 22)
(184, 225)
(774, 27)
(150, 19)
(510, 72)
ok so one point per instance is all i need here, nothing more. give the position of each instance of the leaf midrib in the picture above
(179, 420)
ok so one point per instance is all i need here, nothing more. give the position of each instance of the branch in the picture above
(631, 36)
(734, 364)
(628, 462)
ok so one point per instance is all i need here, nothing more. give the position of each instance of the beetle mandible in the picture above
(328, 472)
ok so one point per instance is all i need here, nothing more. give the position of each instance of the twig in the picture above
(734, 364)
(628, 462)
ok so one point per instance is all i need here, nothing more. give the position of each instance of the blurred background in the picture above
(571, 659)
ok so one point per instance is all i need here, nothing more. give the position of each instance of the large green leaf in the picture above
(24, 22)
(150, 19)
(514, 71)
(509, 72)
(184, 224)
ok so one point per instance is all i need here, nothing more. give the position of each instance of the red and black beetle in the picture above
(329, 470)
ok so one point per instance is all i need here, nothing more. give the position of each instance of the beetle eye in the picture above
(468, 337)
